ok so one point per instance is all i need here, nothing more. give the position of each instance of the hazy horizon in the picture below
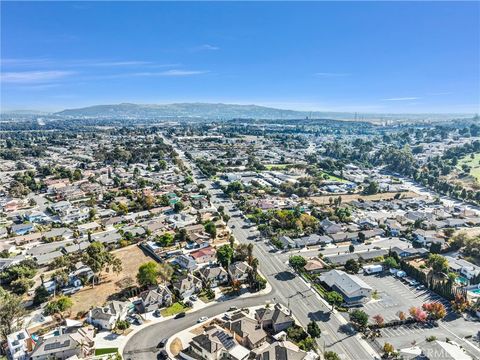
(313, 56)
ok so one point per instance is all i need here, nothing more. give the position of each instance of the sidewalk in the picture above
(106, 339)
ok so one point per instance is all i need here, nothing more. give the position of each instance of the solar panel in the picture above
(57, 345)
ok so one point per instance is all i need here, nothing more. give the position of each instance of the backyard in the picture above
(132, 257)
(322, 200)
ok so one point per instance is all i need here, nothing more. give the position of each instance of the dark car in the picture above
(162, 355)
(162, 343)
(180, 315)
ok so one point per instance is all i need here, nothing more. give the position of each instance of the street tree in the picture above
(313, 329)
(297, 262)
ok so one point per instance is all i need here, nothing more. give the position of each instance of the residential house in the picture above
(330, 227)
(314, 265)
(105, 317)
(79, 344)
(275, 320)
(187, 285)
(284, 350)
(185, 262)
(205, 255)
(247, 331)
(463, 267)
(156, 298)
(215, 344)
(239, 271)
(214, 275)
(19, 345)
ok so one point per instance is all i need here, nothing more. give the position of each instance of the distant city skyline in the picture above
(375, 57)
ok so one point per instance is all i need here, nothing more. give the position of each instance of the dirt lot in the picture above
(323, 200)
(132, 257)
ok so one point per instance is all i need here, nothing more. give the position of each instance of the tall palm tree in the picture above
(250, 254)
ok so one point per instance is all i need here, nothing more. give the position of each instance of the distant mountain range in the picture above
(193, 110)
(210, 111)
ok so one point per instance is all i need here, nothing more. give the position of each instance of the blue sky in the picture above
(345, 56)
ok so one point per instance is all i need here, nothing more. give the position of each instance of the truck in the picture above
(372, 269)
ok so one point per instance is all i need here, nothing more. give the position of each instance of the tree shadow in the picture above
(284, 276)
(320, 315)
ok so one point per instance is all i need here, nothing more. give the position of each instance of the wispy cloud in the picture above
(331, 74)
(27, 77)
(205, 47)
(83, 63)
(172, 73)
(401, 98)
(440, 93)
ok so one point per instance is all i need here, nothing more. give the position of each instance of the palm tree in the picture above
(250, 254)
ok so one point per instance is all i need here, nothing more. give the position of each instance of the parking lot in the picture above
(395, 296)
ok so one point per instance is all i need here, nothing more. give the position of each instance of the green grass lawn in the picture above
(105, 351)
(473, 163)
(334, 178)
(276, 166)
(173, 309)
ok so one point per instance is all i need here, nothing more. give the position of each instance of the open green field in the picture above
(276, 166)
(474, 164)
(333, 177)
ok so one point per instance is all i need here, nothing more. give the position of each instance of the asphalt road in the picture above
(287, 288)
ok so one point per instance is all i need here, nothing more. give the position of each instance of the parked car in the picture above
(232, 308)
(194, 298)
(202, 319)
(162, 343)
(180, 315)
(420, 287)
(162, 355)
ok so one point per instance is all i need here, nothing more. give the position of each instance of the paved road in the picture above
(288, 289)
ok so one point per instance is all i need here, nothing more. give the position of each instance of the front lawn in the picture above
(105, 351)
(173, 309)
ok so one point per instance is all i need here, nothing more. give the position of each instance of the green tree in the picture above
(334, 298)
(179, 206)
(11, 313)
(165, 272)
(331, 355)
(21, 285)
(62, 304)
(390, 262)
(438, 263)
(313, 329)
(166, 240)
(162, 164)
(225, 255)
(297, 262)
(372, 188)
(211, 229)
(359, 318)
(147, 274)
(351, 248)
(352, 266)
(99, 259)
(41, 295)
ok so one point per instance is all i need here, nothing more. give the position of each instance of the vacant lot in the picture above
(132, 257)
(323, 200)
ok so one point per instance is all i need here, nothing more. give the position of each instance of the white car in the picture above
(202, 319)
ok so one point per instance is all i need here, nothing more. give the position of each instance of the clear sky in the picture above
(344, 56)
